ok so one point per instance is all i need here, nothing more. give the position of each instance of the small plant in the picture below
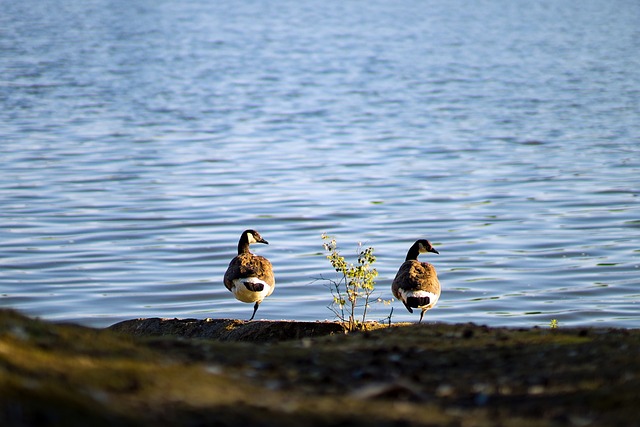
(553, 324)
(352, 291)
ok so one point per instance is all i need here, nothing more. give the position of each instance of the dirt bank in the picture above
(152, 372)
(259, 331)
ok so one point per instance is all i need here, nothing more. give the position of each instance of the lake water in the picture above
(139, 138)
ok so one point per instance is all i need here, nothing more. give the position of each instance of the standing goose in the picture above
(416, 283)
(249, 276)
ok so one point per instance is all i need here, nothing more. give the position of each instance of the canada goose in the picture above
(416, 283)
(249, 276)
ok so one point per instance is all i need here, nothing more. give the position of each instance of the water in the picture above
(140, 138)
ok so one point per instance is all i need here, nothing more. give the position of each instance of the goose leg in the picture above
(255, 308)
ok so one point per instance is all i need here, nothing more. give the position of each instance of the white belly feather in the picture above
(243, 294)
(433, 298)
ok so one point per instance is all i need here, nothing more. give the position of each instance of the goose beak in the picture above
(263, 241)
(434, 251)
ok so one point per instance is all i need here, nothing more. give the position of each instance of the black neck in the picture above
(413, 253)
(243, 245)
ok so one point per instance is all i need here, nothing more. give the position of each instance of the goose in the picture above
(416, 283)
(250, 276)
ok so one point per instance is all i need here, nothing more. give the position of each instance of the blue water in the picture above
(139, 138)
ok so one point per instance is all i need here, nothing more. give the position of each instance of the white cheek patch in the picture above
(433, 298)
(243, 294)
(251, 239)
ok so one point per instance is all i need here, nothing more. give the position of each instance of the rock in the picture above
(259, 331)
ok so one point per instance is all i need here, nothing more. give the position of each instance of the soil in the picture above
(189, 372)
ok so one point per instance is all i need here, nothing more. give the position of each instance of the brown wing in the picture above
(263, 269)
(247, 265)
(415, 275)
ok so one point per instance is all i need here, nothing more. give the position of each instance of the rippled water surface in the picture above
(138, 139)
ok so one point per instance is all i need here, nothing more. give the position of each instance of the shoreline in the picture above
(174, 372)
